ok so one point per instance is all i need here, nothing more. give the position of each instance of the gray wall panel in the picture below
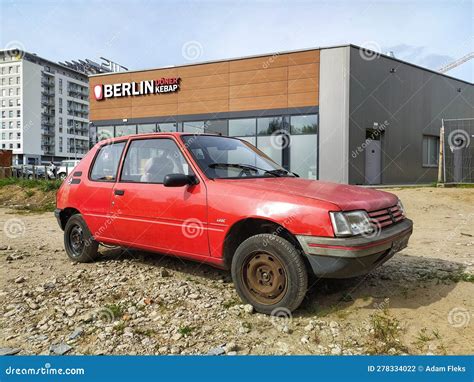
(413, 102)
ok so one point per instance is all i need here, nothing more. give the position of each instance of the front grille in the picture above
(386, 217)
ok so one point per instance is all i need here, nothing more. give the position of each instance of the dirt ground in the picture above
(419, 302)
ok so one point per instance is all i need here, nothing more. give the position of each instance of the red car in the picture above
(221, 201)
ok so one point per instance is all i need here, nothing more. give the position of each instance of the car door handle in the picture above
(119, 192)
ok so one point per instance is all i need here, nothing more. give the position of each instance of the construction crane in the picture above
(456, 63)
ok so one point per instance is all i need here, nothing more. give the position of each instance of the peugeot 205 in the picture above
(221, 201)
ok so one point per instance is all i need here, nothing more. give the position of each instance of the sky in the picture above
(153, 33)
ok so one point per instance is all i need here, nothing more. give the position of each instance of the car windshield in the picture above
(226, 158)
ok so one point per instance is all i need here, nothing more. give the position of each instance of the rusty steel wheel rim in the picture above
(265, 278)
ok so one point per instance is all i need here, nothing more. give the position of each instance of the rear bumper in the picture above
(57, 213)
(354, 256)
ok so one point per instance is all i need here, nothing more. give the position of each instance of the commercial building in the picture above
(341, 114)
(44, 109)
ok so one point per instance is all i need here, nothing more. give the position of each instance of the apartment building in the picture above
(44, 109)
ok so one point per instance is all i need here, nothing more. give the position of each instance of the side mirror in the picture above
(179, 180)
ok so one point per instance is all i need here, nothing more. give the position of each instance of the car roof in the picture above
(175, 134)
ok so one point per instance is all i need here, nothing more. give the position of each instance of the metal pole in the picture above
(441, 153)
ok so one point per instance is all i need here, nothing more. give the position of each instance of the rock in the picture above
(336, 350)
(232, 353)
(176, 336)
(218, 350)
(9, 351)
(244, 330)
(60, 349)
(305, 340)
(71, 312)
(194, 296)
(76, 333)
(309, 327)
(3, 248)
(20, 280)
(164, 273)
(285, 329)
(230, 347)
(248, 308)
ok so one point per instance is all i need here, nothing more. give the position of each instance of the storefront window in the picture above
(242, 127)
(168, 127)
(146, 128)
(105, 132)
(303, 155)
(194, 127)
(123, 130)
(304, 124)
(267, 126)
(269, 145)
(216, 126)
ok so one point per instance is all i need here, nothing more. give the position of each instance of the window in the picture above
(430, 150)
(146, 128)
(194, 127)
(18, 113)
(242, 127)
(304, 124)
(223, 157)
(123, 130)
(105, 132)
(267, 126)
(150, 160)
(216, 127)
(167, 127)
(106, 162)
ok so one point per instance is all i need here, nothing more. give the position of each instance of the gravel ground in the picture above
(420, 302)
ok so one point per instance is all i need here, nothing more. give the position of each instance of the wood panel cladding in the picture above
(267, 82)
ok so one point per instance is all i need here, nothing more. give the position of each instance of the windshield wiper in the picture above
(276, 172)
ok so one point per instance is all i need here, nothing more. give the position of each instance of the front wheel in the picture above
(269, 273)
(78, 240)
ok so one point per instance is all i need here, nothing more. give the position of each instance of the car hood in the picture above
(346, 197)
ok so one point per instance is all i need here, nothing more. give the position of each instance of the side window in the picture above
(150, 160)
(107, 161)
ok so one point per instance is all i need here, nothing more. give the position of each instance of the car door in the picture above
(98, 186)
(151, 216)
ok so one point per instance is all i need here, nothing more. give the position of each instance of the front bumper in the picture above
(354, 256)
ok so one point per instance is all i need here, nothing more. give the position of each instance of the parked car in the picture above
(221, 201)
(65, 168)
(29, 171)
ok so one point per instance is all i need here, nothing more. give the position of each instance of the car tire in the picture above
(78, 241)
(269, 273)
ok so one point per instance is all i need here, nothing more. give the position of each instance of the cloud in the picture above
(420, 55)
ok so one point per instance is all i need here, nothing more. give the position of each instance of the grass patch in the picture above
(40, 184)
(115, 309)
(144, 332)
(385, 333)
(120, 327)
(185, 330)
(230, 303)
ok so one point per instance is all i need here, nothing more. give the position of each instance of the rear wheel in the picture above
(78, 241)
(269, 273)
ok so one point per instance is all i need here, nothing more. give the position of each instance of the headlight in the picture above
(350, 223)
(400, 207)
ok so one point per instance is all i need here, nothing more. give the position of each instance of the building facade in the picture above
(338, 114)
(44, 109)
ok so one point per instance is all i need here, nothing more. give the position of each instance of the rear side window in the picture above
(107, 161)
(150, 160)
